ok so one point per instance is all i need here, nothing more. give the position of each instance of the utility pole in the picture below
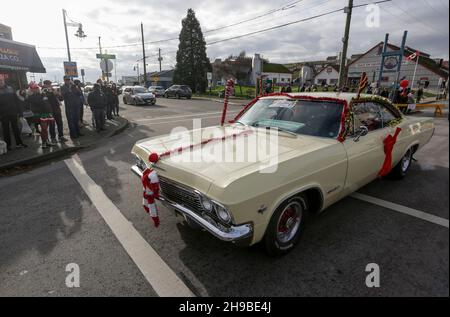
(67, 35)
(347, 10)
(160, 60)
(143, 53)
(100, 49)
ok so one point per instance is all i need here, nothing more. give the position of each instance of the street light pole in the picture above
(67, 35)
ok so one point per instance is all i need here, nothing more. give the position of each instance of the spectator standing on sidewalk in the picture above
(42, 110)
(80, 94)
(110, 101)
(97, 101)
(116, 102)
(9, 114)
(419, 95)
(72, 107)
(56, 113)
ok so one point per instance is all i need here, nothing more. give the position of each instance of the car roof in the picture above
(333, 95)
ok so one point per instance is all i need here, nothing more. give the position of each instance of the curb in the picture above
(60, 153)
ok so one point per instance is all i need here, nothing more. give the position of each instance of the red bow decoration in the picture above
(389, 143)
(150, 182)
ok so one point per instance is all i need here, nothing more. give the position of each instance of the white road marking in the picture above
(183, 116)
(163, 280)
(402, 209)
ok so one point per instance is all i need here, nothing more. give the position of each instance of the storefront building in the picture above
(16, 59)
(429, 71)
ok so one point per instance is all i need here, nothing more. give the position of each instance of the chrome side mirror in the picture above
(362, 131)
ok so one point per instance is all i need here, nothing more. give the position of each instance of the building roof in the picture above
(164, 73)
(424, 59)
(335, 67)
(275, 68)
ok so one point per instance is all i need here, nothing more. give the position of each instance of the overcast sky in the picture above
(118, 23)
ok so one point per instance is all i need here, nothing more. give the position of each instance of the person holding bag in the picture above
(40, 105)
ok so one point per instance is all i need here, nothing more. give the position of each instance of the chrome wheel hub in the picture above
(289, 222)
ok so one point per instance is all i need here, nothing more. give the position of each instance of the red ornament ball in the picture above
(153, 158)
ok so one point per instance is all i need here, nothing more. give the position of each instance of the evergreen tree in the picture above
(192, 62)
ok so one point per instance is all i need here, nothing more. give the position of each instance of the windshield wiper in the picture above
(257, 125)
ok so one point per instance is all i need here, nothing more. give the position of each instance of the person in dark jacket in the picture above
(71, 98)
(116, 102)
(109, 100)
(79, 92)
(98, 102)
(42, 111)
(9, 114)
(56, 113)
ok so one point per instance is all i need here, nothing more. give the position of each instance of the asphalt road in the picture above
(49, 221)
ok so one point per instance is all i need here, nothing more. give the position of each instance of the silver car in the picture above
(138, 95)
(158, 91)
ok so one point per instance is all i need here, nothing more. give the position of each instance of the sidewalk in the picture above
(21, 158)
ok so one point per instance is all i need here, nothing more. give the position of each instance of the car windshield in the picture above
(315, 118)
(140, 90)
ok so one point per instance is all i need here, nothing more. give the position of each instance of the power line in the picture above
(288, 15)
(283, 8)
(292, 23)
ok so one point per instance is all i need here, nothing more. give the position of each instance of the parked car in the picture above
(87, 90)
(328, 146)
(138, 95)
(178, 91)
(158, 91)
(123, 88)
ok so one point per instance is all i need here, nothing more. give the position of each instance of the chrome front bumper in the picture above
(232, 234)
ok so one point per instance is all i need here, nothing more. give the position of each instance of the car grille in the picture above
(181, 195)
(188, 198)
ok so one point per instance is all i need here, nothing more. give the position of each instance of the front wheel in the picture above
(125, 101)
(286, 226)
(402, 168)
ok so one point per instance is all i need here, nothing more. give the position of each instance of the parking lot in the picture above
(50, 220)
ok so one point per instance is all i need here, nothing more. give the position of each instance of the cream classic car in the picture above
(326, 147)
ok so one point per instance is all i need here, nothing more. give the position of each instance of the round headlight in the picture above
(207, 204)
(223, 214)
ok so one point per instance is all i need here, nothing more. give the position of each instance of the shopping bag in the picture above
(25, 127)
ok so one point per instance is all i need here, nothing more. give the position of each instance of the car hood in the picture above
(199, 168)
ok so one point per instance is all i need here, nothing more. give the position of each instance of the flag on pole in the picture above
(413, 56)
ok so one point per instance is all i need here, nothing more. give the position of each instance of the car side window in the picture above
(368, 114)
(387, 115)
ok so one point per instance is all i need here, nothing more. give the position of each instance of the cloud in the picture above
(118, 23)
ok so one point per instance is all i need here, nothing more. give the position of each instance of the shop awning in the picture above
(20, 57)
